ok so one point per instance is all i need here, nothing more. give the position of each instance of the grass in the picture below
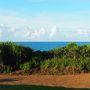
(28, 87)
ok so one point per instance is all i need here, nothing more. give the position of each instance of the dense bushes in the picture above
(30, 67)
(70, 59)
(66, 66)
(13, 55)
(5, 69)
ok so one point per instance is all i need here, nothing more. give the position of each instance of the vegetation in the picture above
(70, 59)
(27, 87)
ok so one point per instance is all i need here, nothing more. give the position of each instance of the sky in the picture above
(45, 20)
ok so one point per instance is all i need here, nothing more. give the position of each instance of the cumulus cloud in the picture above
(53, 31)
(83, 32)
(0, 32)
(5, 32)
(38, 33)
(8, 33)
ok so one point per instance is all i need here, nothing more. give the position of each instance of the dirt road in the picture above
(71, 81)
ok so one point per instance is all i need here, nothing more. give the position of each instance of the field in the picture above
(44, 82)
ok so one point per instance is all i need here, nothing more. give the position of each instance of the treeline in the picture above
(70, 59)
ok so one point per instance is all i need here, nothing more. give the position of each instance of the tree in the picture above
(13, 54)
(71, 50)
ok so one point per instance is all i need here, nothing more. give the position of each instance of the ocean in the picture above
(44, 46)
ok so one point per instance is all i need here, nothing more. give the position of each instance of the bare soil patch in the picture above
(71, 81)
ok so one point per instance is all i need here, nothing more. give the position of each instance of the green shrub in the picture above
(84, 64)
(7, 69)
(25, 66)
(11, 54)
(34, 64)
(30, 65)
(1, 68)
(65, 66)
(71, 58)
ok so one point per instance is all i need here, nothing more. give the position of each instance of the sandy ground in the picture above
(71, 81)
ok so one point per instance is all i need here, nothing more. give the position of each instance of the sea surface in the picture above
(44, 46)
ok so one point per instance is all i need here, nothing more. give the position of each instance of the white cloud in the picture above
(0, 33)
(1, 25)
(83, 32)
(53, 31)
(38, 34)
(41, 34)
(44, 27)
(8, 33)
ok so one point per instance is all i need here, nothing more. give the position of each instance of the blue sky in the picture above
(44, 20)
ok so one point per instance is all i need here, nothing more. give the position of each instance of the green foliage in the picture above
(12, 54)
(1, 69)
(71, 50)
(84, 64)
(34, 64)
(25, 66)
(29, 67)
(5, 69)
(69, 59)
(61, 66)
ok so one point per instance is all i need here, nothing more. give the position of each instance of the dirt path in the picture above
(74, 81)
